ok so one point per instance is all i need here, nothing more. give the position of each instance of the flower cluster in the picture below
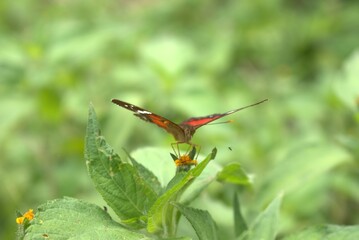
(185, 160)
(29, 215)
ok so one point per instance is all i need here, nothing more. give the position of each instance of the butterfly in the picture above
(182, 132)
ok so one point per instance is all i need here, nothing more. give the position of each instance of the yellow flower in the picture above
(28, 215)
(20, 220)
(185, 160)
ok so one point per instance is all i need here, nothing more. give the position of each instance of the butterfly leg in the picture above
(187, 159)
(197, 149)
(184, 161)
(176, 149)
(189, 149)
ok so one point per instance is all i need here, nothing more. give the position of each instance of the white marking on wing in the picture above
(143, 112)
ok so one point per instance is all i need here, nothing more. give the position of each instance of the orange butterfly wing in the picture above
(148, 116)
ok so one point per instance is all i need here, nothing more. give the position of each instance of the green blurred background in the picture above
(184, 58)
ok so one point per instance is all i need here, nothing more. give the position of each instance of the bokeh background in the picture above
(185, 58)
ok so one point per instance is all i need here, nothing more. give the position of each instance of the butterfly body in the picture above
(182, 132)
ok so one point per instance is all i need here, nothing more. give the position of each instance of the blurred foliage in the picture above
(185, 58)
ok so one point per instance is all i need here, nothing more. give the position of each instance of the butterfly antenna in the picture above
(251, 105)
(229, 121)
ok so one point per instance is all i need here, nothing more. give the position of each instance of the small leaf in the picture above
(265, 226)
(327, 232)
(200, 220)
(174, 157)
(233, 173)
(161, 215)
(240, 225)
(69, 218)
(119, 183)
(146, 174)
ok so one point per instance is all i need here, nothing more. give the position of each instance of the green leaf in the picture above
(175, 180)
(346, 85)
(240, 224)
(119, 183)
(200, 220)
(299, 167)
(158, 161)
(69, 218)
(265, 226)
(327, 232)
(146, 174)
(161, 217)
(207, 176)
(233, 173)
